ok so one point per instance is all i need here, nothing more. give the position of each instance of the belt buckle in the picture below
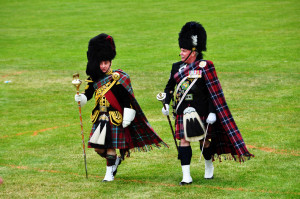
(103, 117)
(189, 97)
(103, 109)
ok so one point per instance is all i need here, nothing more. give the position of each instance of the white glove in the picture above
(165, 111)
(81, 98)
(128, 116)
(211, 118)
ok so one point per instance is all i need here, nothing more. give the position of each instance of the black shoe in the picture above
(209, 178)
(184, 183)
(106, 181)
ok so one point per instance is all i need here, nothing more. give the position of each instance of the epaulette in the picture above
(89, 80)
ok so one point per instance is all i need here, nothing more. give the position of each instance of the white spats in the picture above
(209, 169)
(186, 179)
(109, 174)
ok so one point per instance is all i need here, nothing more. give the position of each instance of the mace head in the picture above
(76, 81)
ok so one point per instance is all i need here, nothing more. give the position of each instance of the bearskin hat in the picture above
(100, 48)
(193, 37)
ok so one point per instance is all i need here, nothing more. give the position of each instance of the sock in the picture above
(207, 152)
(103, 155)
(185, 155)
(111, 160)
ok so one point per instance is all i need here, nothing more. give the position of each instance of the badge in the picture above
(116, 76)
(202, 64)
(185, 85)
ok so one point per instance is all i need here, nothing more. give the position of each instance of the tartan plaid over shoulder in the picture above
(217, 96)
(141, 135)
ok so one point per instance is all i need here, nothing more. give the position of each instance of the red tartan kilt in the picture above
(116, 137)
(125, 138)
(215, 133)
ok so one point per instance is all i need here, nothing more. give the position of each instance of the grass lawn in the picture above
(253, 44)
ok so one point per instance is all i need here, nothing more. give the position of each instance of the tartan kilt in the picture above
(139, 135)
(219, 140)
(117, 137)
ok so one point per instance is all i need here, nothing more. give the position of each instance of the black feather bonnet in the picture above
(193, 37)
(100, 48)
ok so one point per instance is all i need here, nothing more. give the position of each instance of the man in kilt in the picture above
(200, 107)
(118, 120)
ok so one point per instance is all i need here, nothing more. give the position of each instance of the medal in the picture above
(195, 74)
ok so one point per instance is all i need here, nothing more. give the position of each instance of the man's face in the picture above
(184, 53)
(105, 66)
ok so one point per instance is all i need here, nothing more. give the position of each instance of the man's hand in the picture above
(165, 111)
(128, 116)
(81, 98)
(211, 118)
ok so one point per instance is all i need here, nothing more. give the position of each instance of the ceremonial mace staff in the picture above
(161, 97)
(77, 82)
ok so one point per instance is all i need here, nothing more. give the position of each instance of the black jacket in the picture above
(201, 98)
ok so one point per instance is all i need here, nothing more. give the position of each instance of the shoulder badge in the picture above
(202, 64)
(89, 80)
(116, 76)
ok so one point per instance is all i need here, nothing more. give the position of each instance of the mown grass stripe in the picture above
(156, 183)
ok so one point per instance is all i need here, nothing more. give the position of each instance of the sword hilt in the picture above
(161, 97)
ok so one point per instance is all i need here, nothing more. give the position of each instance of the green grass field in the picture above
(253, 44)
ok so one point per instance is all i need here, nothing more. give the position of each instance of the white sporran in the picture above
(194, 129)
(97, 137)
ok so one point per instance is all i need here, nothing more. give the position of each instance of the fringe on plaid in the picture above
(147, 148)
(229, 156)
